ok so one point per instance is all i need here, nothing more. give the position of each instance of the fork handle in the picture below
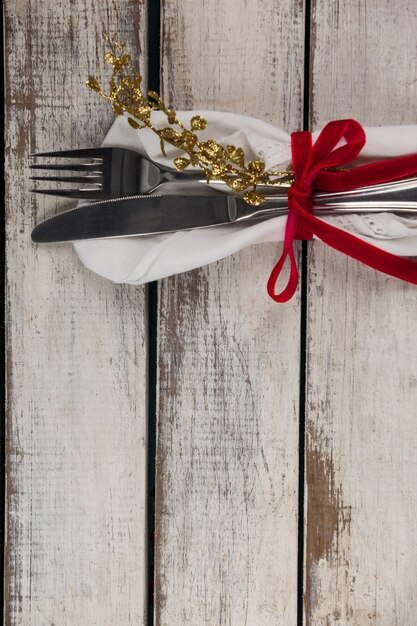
(403, 191)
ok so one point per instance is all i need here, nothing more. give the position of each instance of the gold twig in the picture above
(217, 162)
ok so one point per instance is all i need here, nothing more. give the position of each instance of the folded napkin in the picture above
(138, 260)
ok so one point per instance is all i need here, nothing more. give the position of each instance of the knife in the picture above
(152, 214)
(147, 215)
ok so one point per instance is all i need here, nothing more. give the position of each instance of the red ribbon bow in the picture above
(308, 163)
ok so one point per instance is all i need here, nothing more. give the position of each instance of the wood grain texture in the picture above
(226, 534)
(76, 348)
(364, 61)
(361, 464)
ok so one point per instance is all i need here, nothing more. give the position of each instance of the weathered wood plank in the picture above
(361, 464)
(76, 349)
(226, 535)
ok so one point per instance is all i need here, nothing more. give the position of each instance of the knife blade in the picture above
(143, 215)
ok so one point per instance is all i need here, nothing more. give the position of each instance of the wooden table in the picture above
(285, 436)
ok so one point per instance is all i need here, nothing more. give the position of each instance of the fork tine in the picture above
(76, 154)
(91, 178)
(74, 167)
(87, 194)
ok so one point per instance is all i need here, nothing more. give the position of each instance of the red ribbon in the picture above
(308, 163)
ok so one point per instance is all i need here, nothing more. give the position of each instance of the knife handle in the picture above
(398, 197)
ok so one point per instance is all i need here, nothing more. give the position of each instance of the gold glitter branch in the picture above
(225, 163)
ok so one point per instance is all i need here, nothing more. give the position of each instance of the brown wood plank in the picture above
(76, 347)
(361, 462)
(226, 534)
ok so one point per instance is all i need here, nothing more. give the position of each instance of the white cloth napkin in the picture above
(137, 260)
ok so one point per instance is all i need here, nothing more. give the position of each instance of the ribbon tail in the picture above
(362, 251)
(288, 292)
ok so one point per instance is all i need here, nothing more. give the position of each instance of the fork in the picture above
(111, 173)
(107, 173)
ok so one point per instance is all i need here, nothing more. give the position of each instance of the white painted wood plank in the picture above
(226, 535)
(76, 349)
(361, 530)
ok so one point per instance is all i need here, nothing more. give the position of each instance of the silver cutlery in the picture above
(152, 214)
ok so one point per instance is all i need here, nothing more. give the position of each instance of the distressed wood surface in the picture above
(361, 463)
(76, 348)
(226, 526)
(228, 388)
